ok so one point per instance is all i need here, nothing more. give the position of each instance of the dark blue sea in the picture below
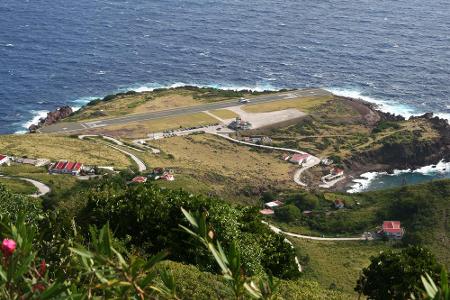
(57, 52)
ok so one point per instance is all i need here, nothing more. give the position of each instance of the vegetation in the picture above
(396, 275)
(158, 99)
(18, 186)
(305, 104)
(61, 148)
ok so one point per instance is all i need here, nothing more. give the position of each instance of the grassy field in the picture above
(336, 264)
(62, 148)
(157, 100)
(55, 182)
(18, 186)
(340, 128)
(305, 104)
(210, 164)
(142, 129)
(224, 113)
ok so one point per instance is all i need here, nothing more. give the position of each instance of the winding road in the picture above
(313, 161)
(140, 164)
(42, 188)
(275, 229)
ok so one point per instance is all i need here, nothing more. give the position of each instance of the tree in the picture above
(397, 275)
(288, 213)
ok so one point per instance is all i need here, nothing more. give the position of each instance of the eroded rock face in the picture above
(52, 117)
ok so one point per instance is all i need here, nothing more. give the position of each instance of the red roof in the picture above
(2, 157)
(77, 166)
(337, 171)
(69, 165)
(139, 179)
(60, 165)
(300, 157)
(338, 202)
(392, 226)
(266, 211)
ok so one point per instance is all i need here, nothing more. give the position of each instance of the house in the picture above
(337, 172)
(274, 204)
(139, 179)
(308, 212)
(299, 158)
(167, 176)
(339, 204)
(392, 229)
(66, 167)
(4, 160)
(266, 212)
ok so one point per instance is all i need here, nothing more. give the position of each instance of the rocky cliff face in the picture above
(52, 117)
(405, 156)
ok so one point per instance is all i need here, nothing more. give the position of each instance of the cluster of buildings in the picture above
(239, 124)
(270, 206)
(335, 173)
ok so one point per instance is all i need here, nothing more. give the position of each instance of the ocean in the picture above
(53, 53)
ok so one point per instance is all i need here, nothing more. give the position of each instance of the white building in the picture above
(4, 160)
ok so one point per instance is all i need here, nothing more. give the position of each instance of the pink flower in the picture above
(8, 247)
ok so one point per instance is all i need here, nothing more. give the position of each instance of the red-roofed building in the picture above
(4, 160)
(339, 204)
(66, 167)
(337, 171)
(139, 179)
(393, 229)
(266, 212)
(299, 158)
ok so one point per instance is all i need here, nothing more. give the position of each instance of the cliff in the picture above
(52, 117)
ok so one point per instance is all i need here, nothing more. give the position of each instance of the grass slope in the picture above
(61, 148)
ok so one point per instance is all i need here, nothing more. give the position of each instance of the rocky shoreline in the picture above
(52, 118)
(399, 156)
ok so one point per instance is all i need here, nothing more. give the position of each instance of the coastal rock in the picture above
(52, 117)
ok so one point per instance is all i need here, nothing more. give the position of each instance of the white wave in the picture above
(258, 87)
(383, 105)
(37, 115)
(363, 182)
(441, 167)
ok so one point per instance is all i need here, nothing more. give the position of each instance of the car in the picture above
(243, 100)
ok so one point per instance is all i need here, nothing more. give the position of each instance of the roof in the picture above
(139, 179)
(275, 203)
(337, 170)
(67, 165)
(392, 226)
(266, 211)
(338, 202)
(299, 157)
(2, 157)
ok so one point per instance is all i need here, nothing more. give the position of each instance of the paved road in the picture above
(140, 164)
(313, 161)
(42, 188)
(74, 127)
(364, 237)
